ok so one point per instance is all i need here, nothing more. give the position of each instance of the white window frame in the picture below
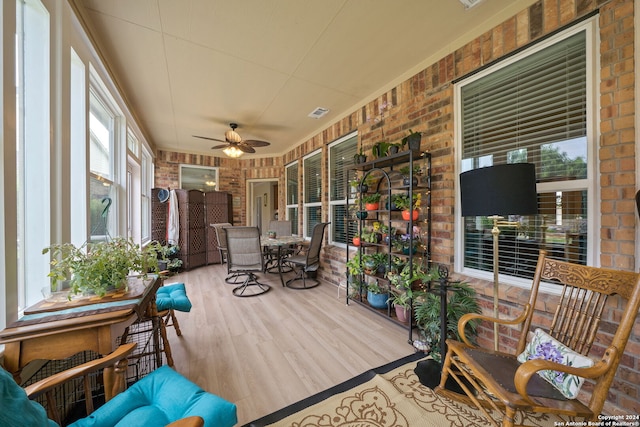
(289, 206)
(33, 151)
(343, 201)
(591, 184)
(306, 205)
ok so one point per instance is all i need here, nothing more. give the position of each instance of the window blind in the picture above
(533, 110)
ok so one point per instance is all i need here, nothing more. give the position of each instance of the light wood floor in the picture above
(266, 352)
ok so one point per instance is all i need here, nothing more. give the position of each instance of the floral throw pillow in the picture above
(544, 346)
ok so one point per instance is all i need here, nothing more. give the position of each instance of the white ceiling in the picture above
(190, 67)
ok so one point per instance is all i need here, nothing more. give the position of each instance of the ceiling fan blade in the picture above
(245, 148)
(254, 143)
(215, 147)
(210, 139)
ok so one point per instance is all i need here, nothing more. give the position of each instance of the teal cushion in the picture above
(173, 297)
(15, 407)
(160, 398)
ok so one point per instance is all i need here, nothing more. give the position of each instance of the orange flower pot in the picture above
(406, 215)
(372, 206)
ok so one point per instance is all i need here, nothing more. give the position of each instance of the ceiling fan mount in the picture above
(233, 139)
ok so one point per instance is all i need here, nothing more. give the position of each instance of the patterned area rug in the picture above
(390, 396)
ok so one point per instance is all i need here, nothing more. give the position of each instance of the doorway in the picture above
(262, 202)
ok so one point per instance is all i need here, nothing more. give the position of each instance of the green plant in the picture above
(374, 287)
(404, 202)
(405, 170)
(380, 149)
(371, 198)
(461, 299)
(354, 265)
(96, 267)
(405, 140)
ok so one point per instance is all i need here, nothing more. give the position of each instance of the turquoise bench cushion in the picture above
(17, 409)
(173, 297)
(160, 398)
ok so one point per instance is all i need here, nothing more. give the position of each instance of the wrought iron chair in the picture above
(245, 258)
(507, 386)
(308, 263)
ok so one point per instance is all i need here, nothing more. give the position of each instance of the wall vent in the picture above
(318, 112)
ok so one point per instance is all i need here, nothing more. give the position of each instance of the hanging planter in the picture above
(362, 214)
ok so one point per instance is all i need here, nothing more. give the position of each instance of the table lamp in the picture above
(494, 192)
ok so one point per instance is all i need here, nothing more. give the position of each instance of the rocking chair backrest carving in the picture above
(584, 294)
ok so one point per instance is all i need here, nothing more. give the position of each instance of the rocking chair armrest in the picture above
(531, 367)
(194, 421)
(46, 384)
(466, 318)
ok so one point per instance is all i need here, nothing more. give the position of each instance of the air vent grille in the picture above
(318, 112)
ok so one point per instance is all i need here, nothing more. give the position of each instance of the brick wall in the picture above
(425, 103)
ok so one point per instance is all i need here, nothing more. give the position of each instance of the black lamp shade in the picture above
(499, 190)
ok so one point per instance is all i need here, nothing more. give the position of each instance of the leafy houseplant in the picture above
(413, 139)
(405, 203)
(371, 200)
(98, 267)
(461, 300)
(168, 257)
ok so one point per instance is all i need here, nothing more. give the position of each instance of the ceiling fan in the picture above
(232, 139)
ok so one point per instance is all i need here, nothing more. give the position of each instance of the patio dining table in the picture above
(280, 242)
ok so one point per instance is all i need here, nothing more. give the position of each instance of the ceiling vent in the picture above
(318, 112)
(468, 4)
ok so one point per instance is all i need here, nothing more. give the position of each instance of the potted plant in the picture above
(354, 265)
(382, 260)
(376, 295)
(394, 148)
(359, 157)
(406, 172)
(461, 299)
(168, 258)
(413, 140)
(369, 264)
(408, 205)
(380, 149)
(95, 268)
(371, 201)
(401, 301)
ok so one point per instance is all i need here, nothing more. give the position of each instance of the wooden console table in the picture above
(57, 330)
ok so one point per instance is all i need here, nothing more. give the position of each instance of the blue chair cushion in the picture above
(173, 297)
(158, 399)
(17, 409)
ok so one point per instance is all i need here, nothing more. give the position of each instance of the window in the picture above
(201, 178)
(340, 157)
(537, 109)
(312, 178)
(32, 148)
(292, 196)
(147, 184)
(103, 154)
(78, 152)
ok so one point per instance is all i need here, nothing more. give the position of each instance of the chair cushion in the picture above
(17, 409)
(160, 398)
(173, 296)
(544, 346)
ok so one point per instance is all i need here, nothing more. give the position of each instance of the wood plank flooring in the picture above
(268, 351)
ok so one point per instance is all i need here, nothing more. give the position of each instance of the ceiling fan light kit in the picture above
(234, 146)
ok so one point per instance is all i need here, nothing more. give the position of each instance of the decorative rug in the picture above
(389, 396)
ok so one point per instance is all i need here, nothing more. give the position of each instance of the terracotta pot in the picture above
(356, 241)
(406, 216)
(372, 206)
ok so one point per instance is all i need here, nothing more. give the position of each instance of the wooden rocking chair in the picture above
(501, 386)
